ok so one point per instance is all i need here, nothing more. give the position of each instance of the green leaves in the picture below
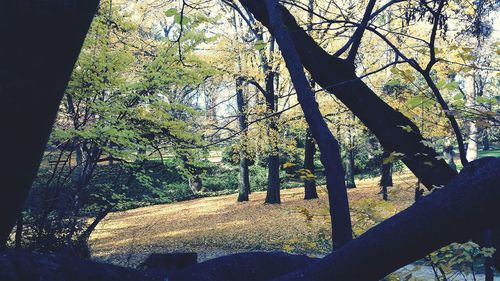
(171, 12)
(420, 101)
(451, 86)
(393, 157)
(393, 82)
(259, 45)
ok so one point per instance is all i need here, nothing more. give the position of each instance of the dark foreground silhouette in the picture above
(454, 213)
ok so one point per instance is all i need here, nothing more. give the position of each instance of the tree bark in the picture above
(244, 176)
(473, 132)
(328, 145)
(338, 77)
(309, 151)
(273, 161)
(452, 214)
(449, 154)
(386, 175)
(44, 38)
(349, 169)
(309, 145)
(486, 139)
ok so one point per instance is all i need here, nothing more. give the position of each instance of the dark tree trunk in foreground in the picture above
(244, 180)
(338, 77)
(42, 40)
(309, 151)
(328, 145)
(254, 266)
(452, 214)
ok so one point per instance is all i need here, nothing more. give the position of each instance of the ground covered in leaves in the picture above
(217, 226)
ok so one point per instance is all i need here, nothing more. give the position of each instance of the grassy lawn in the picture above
(494, 151)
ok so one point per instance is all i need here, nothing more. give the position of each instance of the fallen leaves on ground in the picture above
(217, 226)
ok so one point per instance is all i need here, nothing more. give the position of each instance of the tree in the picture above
(35, 71)
(386, 174)
(244, 174)
(451, 214)
(328, 145)
(365, 104)
(309, 151)
(309, 145)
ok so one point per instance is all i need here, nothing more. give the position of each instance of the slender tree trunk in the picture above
(473, 133)
(328, 145)
(349, 158)
(338, 77)
(45, 39)
(244, 180)
(273, 161)
(472, 146)
(244, 175)
(309, 145)
(449, 154)
(386, 175)
(349, 169)
(486, 139)
(309, 151)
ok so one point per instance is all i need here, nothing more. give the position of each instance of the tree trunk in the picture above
(386, 175)
(486, 139)
(45, 39)
(470, 103)
(244, 180)
(449, 155)
(452, 214)
(273, 161)
(244, 175)
(309, 145)
(338, 77)
(309, 151)
(349, 169)
(273, 180)
(328, 145)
